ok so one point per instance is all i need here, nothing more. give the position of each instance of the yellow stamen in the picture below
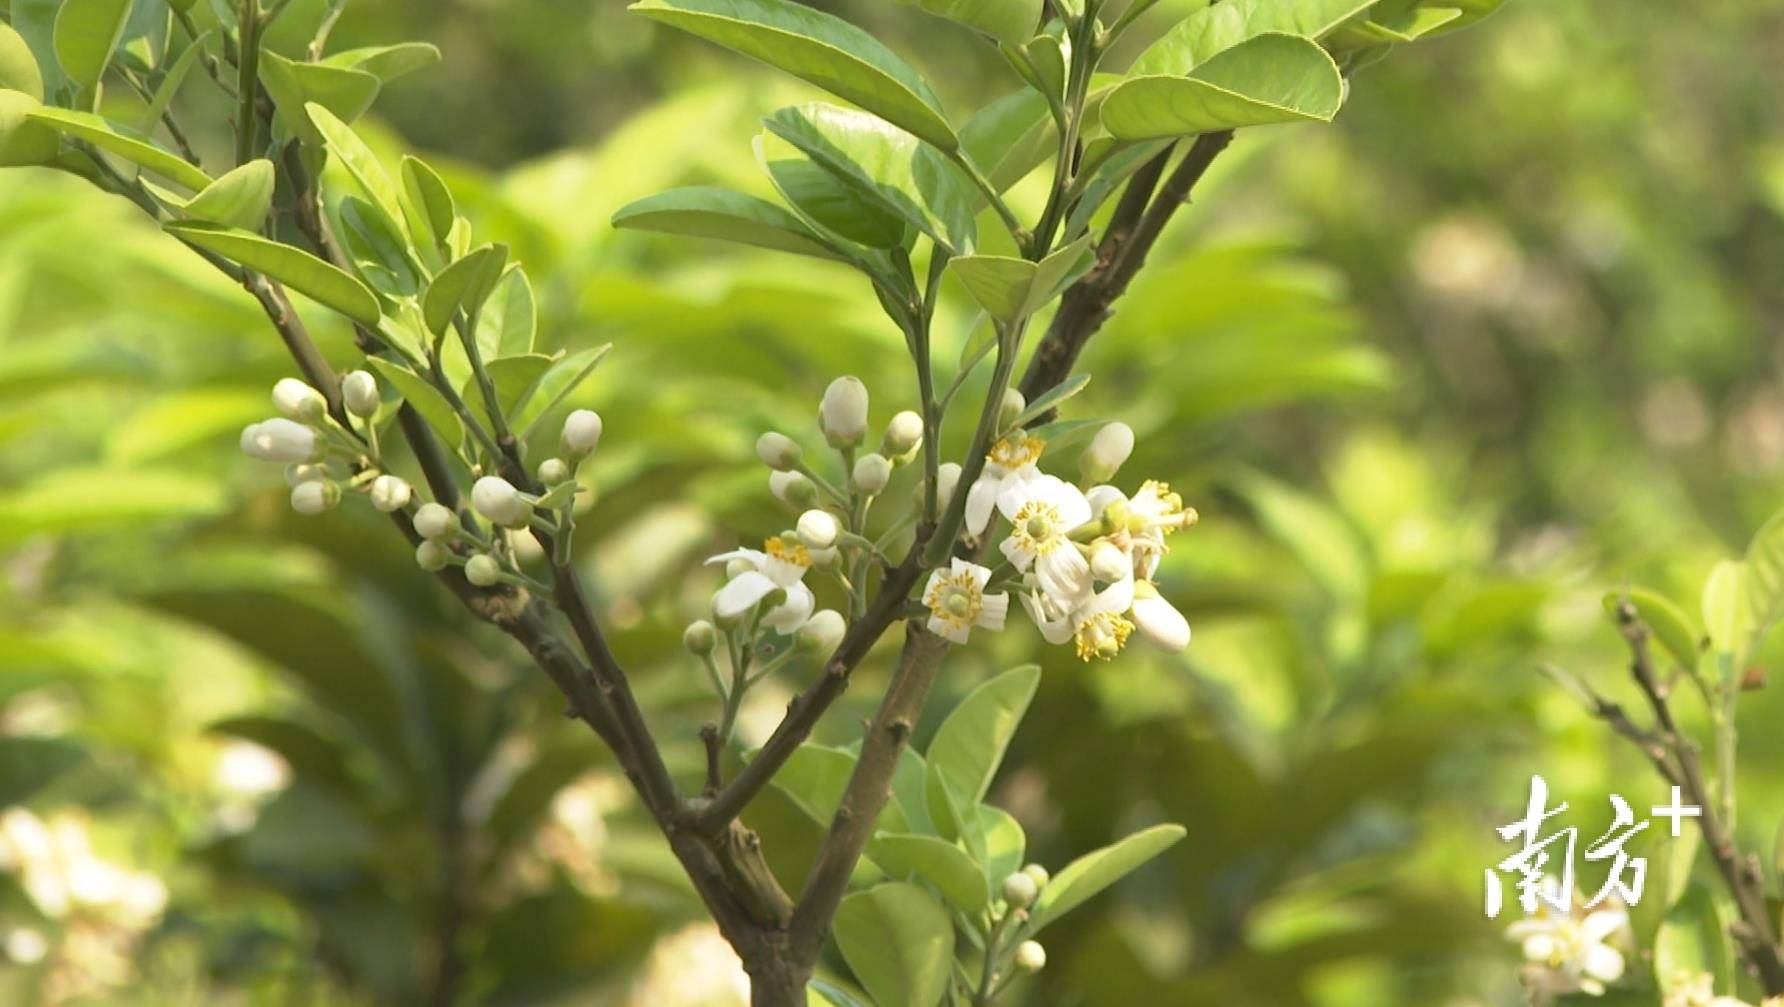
(1015, 451)
(790, 552)
(955, 600)
(1103, 635)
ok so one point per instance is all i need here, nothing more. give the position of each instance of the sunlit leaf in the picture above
(1268, 79)
(708, 212)
(293, 267)
(899, 942)
(124, 142)
(1088, 875)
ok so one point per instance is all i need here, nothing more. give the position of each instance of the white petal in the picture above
(1064, 573)
(791, 614)
(992, 610)
(1074, 510)
(1161, 623)
(979, 502)
(1603, 923)
(754, 556)
(741, 593)
(1014, 494)
(1100, 497)
(1603, 962)
(1016, 553)
(935, 579)
(948, 630)
(1117, 597)
(1056, 631)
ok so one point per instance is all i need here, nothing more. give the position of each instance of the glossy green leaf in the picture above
(937, 861)
(423, 397)
(294, 86)
(76, 500)
(125, 143)
(824, 993)
(387, 62)
(515, 378)
(1693, 939)
(1010, 137)
(887, 166)
(346, 147)
(971, 742)
(816, 47)
(1050, 399)
(1008, 21)
(708, 212)
(18, 67)
(826, 201)
(1010, 288)
(24, 137)
(1671, 626)
(143, 46)
(1005, 844)
(87, 33)
(1218, 27)
(426, 202)
(238, 199)
(899, 942)
(293, 267)
(377, 247)
(465, 285)
(510, 319)
(558, 384)
(35, 21)
(1266, 80)
(815, 777)
(1088, 875)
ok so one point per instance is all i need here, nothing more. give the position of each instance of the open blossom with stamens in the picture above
(1093, 620)
(1043, 511)
(781, 566)
(1010, 461)
(957, 601)
(1574, 951)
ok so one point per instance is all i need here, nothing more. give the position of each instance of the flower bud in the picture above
(822, 632)
(792, 488)
(483, 570)
(1038, 875)
(390, 493)
(315, 496)
(1019, 890)
(496, 499)
(359, 393)
(1107, 452)
(947, 478)
(843, 414)
(1030, 956)
(903, 434)
(824, 559)
(1108, 563)
(298, 401)
(582, 431)
(1011, 409)
(777, 451)
(432, 556)
(700, 638)
(818, 529)
(435, 522)
(280, 440)
(553, 471)
(872, 472)
(304, 472)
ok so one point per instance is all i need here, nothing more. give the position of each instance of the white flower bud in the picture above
(822, 632)
(582, 431)
(1030, 956)
(1010, 410)
(1019, 890)
(1038, 875)
(390, 493)
(298, 401)
(483, 570)
(947, 477)
(700, 638)
(843, 414)
(496, 499)
(1107, 452)
(315, 496)
(872, 472)
(436, 521)
(525, 547)
(304, 472)
(432, 556)
(903, 434)
(793, 488)
(1157, 619)
(553, 471)
(1108, 563)
(359, 392)
(818, 529)
(777, 451)
(281, 440)
(824, 559)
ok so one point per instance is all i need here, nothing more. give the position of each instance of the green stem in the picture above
(247, 87)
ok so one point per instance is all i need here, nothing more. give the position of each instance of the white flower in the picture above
(315, 496)
(1093, 620)
(781, 567)
(842, 416)
(957, 601)
(280, 440)
(1157, 619)
(582, 432)
(298, 401)
(1010, 462)
(359, 390)
(818, 529)
(1700, 991)
(1107, 452)
(303, 472)
(435, 521)
(496, 499)
(1042, 512)
(1571, 951)
(390, 493)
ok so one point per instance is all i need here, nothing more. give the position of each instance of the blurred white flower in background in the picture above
(1572, 952)
(692, 967)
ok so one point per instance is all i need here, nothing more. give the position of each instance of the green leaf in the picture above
(709, 212)
(1004, 841)
(1670, 859)
(1671, 626)
(124, 142)
(822, 992)
(465, 285)
(1765, 579)
(18, 67)
(887, 166)
(378, 247)
(427, 203)
(814, 777)
(87, 33)
(387, 62)
(510, 319)
(171, 81)
(35, 21)
(1010, 137)
(352, 153)
(1050, 399)
(970, 744)
(936, 861)
(1268, 79)
(826, 200)
(557, 385)
(899, 942)
(819, 48)
(76, 500)
(1727, 615)
(1008, 21)
(1088, 875)
(24, 139)
(238, 199)
(515, 379)
(1693, 939)
(294, 86)
(423, 397)
(1325, 543)
(293, 267)
(1219, 27)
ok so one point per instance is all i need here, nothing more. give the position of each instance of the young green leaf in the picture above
(465, 284)
(970, 744)
(510, 318)
(1010, 137)
(1693, 940)
(1051, 398)
(1088, 875)
(819, 48)
(814, 777)
(1005, 844)
(1265, 80)
(1765, 579)
(427, 203)
(171, 82)
(1219, 27)
(899, 942)
(238, 199)
(24, 137)
(1010, 288)
(1727, 614)
(1669, 623)
(293, 267)
(87, 33)
(709, 212)
(1008, 21)
(293, 86)
(826, 201)
(937, 861)
(423, 397)
(347, 148)
(515, 379)
(18, 68)
(124, 142)
(387, 62)
(557, 385)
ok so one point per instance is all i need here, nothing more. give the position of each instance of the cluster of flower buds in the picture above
(1019, 891)
(324, 459)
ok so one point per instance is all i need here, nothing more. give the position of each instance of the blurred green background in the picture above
(1505, 337)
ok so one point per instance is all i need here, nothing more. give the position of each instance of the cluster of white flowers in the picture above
(1572, 952)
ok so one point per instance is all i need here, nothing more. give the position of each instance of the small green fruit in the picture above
(24, 141)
